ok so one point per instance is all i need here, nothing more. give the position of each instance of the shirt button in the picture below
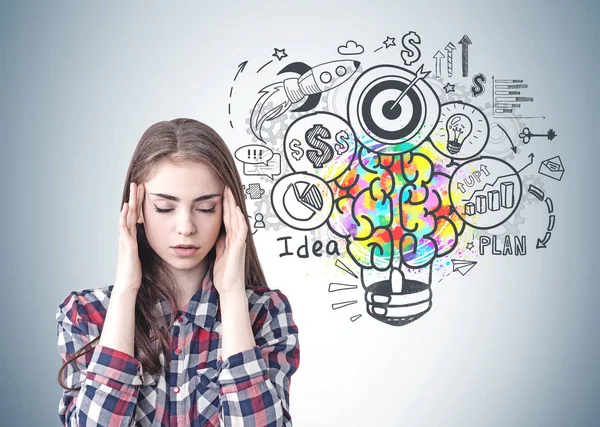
(176, 389)
(177, 351)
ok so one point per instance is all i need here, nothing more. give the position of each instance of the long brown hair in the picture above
(174, 141)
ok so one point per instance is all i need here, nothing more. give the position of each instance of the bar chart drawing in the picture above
(507, 96)
(485, 192)
(491, 200)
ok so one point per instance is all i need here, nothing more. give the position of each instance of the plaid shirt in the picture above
(198, 388)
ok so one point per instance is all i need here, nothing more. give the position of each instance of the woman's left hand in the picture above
(230, 261)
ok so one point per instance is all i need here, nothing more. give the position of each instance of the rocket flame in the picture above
(272, 104)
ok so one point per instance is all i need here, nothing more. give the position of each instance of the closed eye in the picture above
(159, 210)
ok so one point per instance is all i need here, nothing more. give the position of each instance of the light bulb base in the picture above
(395, 308)
(453, 147)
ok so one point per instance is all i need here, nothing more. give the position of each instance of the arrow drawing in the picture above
(512, 146)
(239, 71)
(465, 42)
(541, 243)
(419, 75)
(531, 156)
(438, 63)
(538, 193)
(449, 57)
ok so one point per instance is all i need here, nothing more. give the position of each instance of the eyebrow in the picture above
(176, 199)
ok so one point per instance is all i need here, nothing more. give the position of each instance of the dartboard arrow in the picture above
(420, 74)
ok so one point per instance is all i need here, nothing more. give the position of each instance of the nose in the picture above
(185, 223)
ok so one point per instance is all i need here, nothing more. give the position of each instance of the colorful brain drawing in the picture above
(394, 210)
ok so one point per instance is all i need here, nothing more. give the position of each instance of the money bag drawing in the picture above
(397, 175)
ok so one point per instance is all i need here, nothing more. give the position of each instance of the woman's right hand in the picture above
(129, 267)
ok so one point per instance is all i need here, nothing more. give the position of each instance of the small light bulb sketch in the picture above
(462, 131)
(458, 128)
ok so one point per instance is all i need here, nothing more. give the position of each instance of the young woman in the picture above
(188, 334)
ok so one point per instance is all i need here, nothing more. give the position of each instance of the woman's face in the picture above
(183, 206)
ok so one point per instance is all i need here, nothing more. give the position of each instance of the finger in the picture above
(236, 221)
(243, 223)
(136, 213)
(230, 215)
(132, 206)
(123, 218)
(242, 226)
(233, 209)
(141, 197)
(220, 247)
(226, 215)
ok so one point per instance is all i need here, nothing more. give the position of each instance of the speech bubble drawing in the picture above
(272, 168)
(254, 154)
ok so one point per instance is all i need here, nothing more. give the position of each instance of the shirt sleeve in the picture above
(109, 379)
(254, 384)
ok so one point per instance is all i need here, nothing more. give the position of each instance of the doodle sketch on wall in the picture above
(400, 167)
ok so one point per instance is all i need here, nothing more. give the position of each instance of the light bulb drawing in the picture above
(395, 214)
(458, 129)
(462, 131)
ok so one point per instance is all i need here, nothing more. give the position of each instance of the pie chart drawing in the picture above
(302, 201)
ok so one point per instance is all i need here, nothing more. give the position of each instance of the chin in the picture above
(185, 263)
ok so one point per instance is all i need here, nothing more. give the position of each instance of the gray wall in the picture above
(515, 343)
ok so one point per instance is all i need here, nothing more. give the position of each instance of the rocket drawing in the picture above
(279, 97)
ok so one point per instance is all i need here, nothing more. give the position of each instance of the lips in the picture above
(182, 251)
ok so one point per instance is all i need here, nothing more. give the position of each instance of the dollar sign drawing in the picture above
(341, 145)
(314, 138)
(478, 88)
(411, 53)
(296, 149)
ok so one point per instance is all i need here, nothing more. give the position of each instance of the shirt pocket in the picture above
(207, 393)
